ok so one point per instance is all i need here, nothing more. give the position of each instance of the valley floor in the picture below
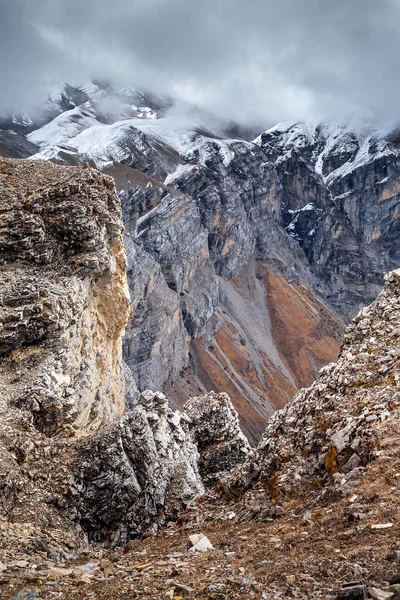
(308, 552)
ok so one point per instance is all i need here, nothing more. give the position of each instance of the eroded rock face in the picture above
(147, 466)
(173, 286)
(331, 430)
(303, 213)
(215, 228)
(340, 201)
(64, 305)
(153, 463)
(215, 426)
(150, 355)
(64, 296)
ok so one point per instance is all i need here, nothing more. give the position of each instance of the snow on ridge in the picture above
(64, 127)
(358, 142)
(93, 91)
(181, 134)
(105, 142)
(180, 171)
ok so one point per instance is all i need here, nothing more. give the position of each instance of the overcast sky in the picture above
(249, 60)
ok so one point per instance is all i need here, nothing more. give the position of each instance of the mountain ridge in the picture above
(222, 209)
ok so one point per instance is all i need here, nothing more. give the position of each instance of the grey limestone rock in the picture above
(216, 430)
(140, 475)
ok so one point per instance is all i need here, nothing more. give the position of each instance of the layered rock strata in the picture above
(64, 295)
(64, 306)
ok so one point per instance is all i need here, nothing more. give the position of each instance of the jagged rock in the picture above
(215, 427)
(343, 181)
(317, 435)
(64, 305)
(63, 294)
(147, 466)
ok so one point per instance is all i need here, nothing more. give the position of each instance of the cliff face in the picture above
(340, 201)
(233, 274)
(64, 306)
(64, 293)
(70, 461)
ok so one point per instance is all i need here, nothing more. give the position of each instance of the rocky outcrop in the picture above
(64, 296)
(139, 476)
(155, 461)
(64, 306)
(215, 426)
(331, 431)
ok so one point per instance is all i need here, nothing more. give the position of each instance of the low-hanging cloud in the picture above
(247, 60)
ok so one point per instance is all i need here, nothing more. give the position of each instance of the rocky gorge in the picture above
(81, 475)
(161, 256)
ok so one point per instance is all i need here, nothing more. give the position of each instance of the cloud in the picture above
(249, 60)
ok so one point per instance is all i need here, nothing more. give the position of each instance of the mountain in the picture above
(342, 182)
(245, 259)
(101, 500)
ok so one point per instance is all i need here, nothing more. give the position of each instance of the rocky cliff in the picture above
(340, 201)
(64, 295)
(64, 306)
(143, 474)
